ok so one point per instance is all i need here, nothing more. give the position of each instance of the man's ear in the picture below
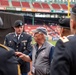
(61, 32)
(72, 23)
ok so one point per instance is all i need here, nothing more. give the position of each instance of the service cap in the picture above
(65, 23)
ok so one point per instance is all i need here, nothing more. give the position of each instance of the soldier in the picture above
(20, 41)
(8, 61)
(64, 59)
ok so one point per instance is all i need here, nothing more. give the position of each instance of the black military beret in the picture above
(18, 23)
(73, 9)
(65, 23)
(40, 29)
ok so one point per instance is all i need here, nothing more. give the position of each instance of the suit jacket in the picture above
(21, 45)
(8, 61)
(64, 59)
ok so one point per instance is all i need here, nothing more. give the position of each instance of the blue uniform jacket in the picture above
(64, 58)
(22, 45)
(8, 61)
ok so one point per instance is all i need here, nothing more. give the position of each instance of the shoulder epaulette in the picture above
(64, 39)
(4, 47)
(24, 33)
(10, 33)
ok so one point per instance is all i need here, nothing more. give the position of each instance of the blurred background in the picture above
(34, 13)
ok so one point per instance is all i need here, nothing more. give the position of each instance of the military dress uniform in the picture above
(22, 45)
(8, 61)
(64, 59)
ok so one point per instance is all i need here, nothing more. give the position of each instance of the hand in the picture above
(29, 73)
(20, 54)
(23, 56)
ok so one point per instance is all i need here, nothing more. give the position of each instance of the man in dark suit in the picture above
(20, 41)
(8, 61)
(64, 59)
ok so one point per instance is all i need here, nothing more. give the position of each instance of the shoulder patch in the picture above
(64, 39)
(4, 47)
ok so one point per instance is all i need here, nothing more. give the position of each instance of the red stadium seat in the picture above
(71, 5)
(36, 5)
(56, 6)
(45, 5)
(4, 3)
(25, 4)
(16, 3)
(64, 6)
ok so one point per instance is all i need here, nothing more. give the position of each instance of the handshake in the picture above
(23, 56)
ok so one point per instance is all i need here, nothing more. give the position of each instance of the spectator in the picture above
(40, 55)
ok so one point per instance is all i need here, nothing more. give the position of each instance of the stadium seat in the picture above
(25, 4)
(71, 5)
(4, 3)
(36, 5)
(16, 3)
(56, 6)
(64, 6)
(45, 5)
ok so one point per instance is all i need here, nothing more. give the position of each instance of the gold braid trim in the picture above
(4, 47)
(19, 71)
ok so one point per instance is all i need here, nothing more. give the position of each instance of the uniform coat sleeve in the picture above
(61, 62)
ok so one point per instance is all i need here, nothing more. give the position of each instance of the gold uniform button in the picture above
(24, 47)
(16, 49)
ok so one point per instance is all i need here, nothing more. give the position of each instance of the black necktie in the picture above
(17, 37)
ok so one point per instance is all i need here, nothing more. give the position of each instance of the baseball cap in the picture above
(18, 23)
(40, 29)
(65, 23)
